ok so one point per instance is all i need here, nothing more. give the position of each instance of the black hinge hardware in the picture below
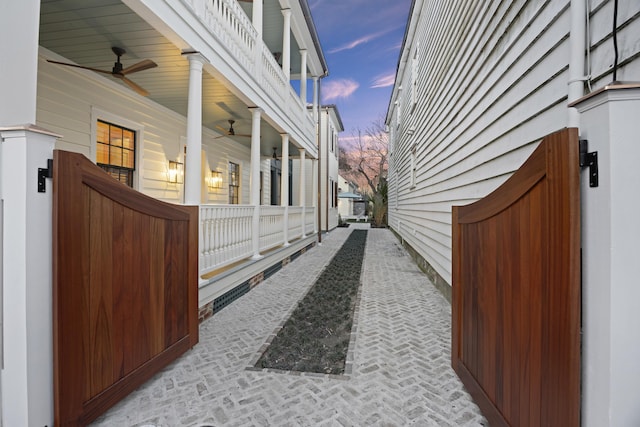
(44, 173)
(589, 160)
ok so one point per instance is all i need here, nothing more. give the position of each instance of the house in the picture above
(189, 102)
(330, 128)
(478, 86)
(350, 203)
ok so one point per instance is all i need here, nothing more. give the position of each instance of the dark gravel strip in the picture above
(316, 336)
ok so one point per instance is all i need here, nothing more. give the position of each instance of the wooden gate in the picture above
(125, 288)
(516, 292)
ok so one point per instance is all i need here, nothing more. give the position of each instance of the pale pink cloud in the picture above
(339, 88)
(384, 80)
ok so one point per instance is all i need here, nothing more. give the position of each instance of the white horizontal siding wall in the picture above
(68, 101)
(491, 81)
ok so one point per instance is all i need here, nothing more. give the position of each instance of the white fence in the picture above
(226, 232)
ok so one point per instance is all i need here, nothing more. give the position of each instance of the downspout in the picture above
(326, 165)
(319, 132)
(577, 48)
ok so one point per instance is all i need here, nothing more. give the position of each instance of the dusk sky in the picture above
(361, 40)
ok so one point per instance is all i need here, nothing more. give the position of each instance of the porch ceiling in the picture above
(83, 32)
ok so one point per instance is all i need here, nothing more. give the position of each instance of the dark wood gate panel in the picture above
(516, 292)
(125, 288)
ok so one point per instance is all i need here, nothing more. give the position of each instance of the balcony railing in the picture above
(233, 29)
(226, 231)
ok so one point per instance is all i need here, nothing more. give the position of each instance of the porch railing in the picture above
(271, 227)
(231, 26)
(295, 222)
(225, 235)
(226, 231)
(309, 220)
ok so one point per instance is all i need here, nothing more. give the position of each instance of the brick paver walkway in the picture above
(401, 368)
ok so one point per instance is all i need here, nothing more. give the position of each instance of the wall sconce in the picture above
(215, 180)
(176, 172)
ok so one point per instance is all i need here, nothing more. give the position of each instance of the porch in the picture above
(228, 264)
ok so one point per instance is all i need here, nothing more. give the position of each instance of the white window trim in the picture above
(413, 165)
(98, 114)
(414, 78)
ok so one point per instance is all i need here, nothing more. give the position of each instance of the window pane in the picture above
(116, 136)
(102, 153)
(116, 156)
(128, 139)
(102, 133)
(128, 160)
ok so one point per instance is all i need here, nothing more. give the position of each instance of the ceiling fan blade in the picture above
(134, 86)
(79, 66)
(140, 66)
(225, 131)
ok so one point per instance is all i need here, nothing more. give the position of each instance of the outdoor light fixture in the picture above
(275, 154)
(176, 172)
(215, 180)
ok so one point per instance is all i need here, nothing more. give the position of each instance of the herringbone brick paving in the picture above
(401, 370)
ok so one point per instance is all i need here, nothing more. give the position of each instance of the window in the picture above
(116, 151)
(414, 79)
(234, 183)
(413, 166)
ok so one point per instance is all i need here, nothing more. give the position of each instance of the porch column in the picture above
(25, 265)
(286, 43)
(314, 185)
(19, 22)
(303, 188)
(255, 179)
(193, 172)
(303, 78)
(284, 186)
(257, 17)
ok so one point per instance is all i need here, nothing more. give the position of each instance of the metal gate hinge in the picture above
(589, 160)
(44, 173)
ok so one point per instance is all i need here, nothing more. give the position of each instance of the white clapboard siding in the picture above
(491, 81)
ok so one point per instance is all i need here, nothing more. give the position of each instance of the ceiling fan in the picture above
(231, 131)
(118, 71)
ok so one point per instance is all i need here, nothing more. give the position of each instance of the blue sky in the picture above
(361, 40)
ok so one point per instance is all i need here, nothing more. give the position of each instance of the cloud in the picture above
(358, 42)
(339, 88)
(384, 80)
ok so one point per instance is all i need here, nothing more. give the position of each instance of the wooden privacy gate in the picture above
(516, 292)
(125, 286)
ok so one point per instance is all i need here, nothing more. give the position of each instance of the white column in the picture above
(255, 179)
(303, 188)
(257, 17)
(610, 267)
(19, 22)
(303, 78)
(284, 185)
(286, 43)
(314, 174)
(193, 172)
(26, 258)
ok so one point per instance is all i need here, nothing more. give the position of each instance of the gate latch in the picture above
(44, 173)
(589, 160)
